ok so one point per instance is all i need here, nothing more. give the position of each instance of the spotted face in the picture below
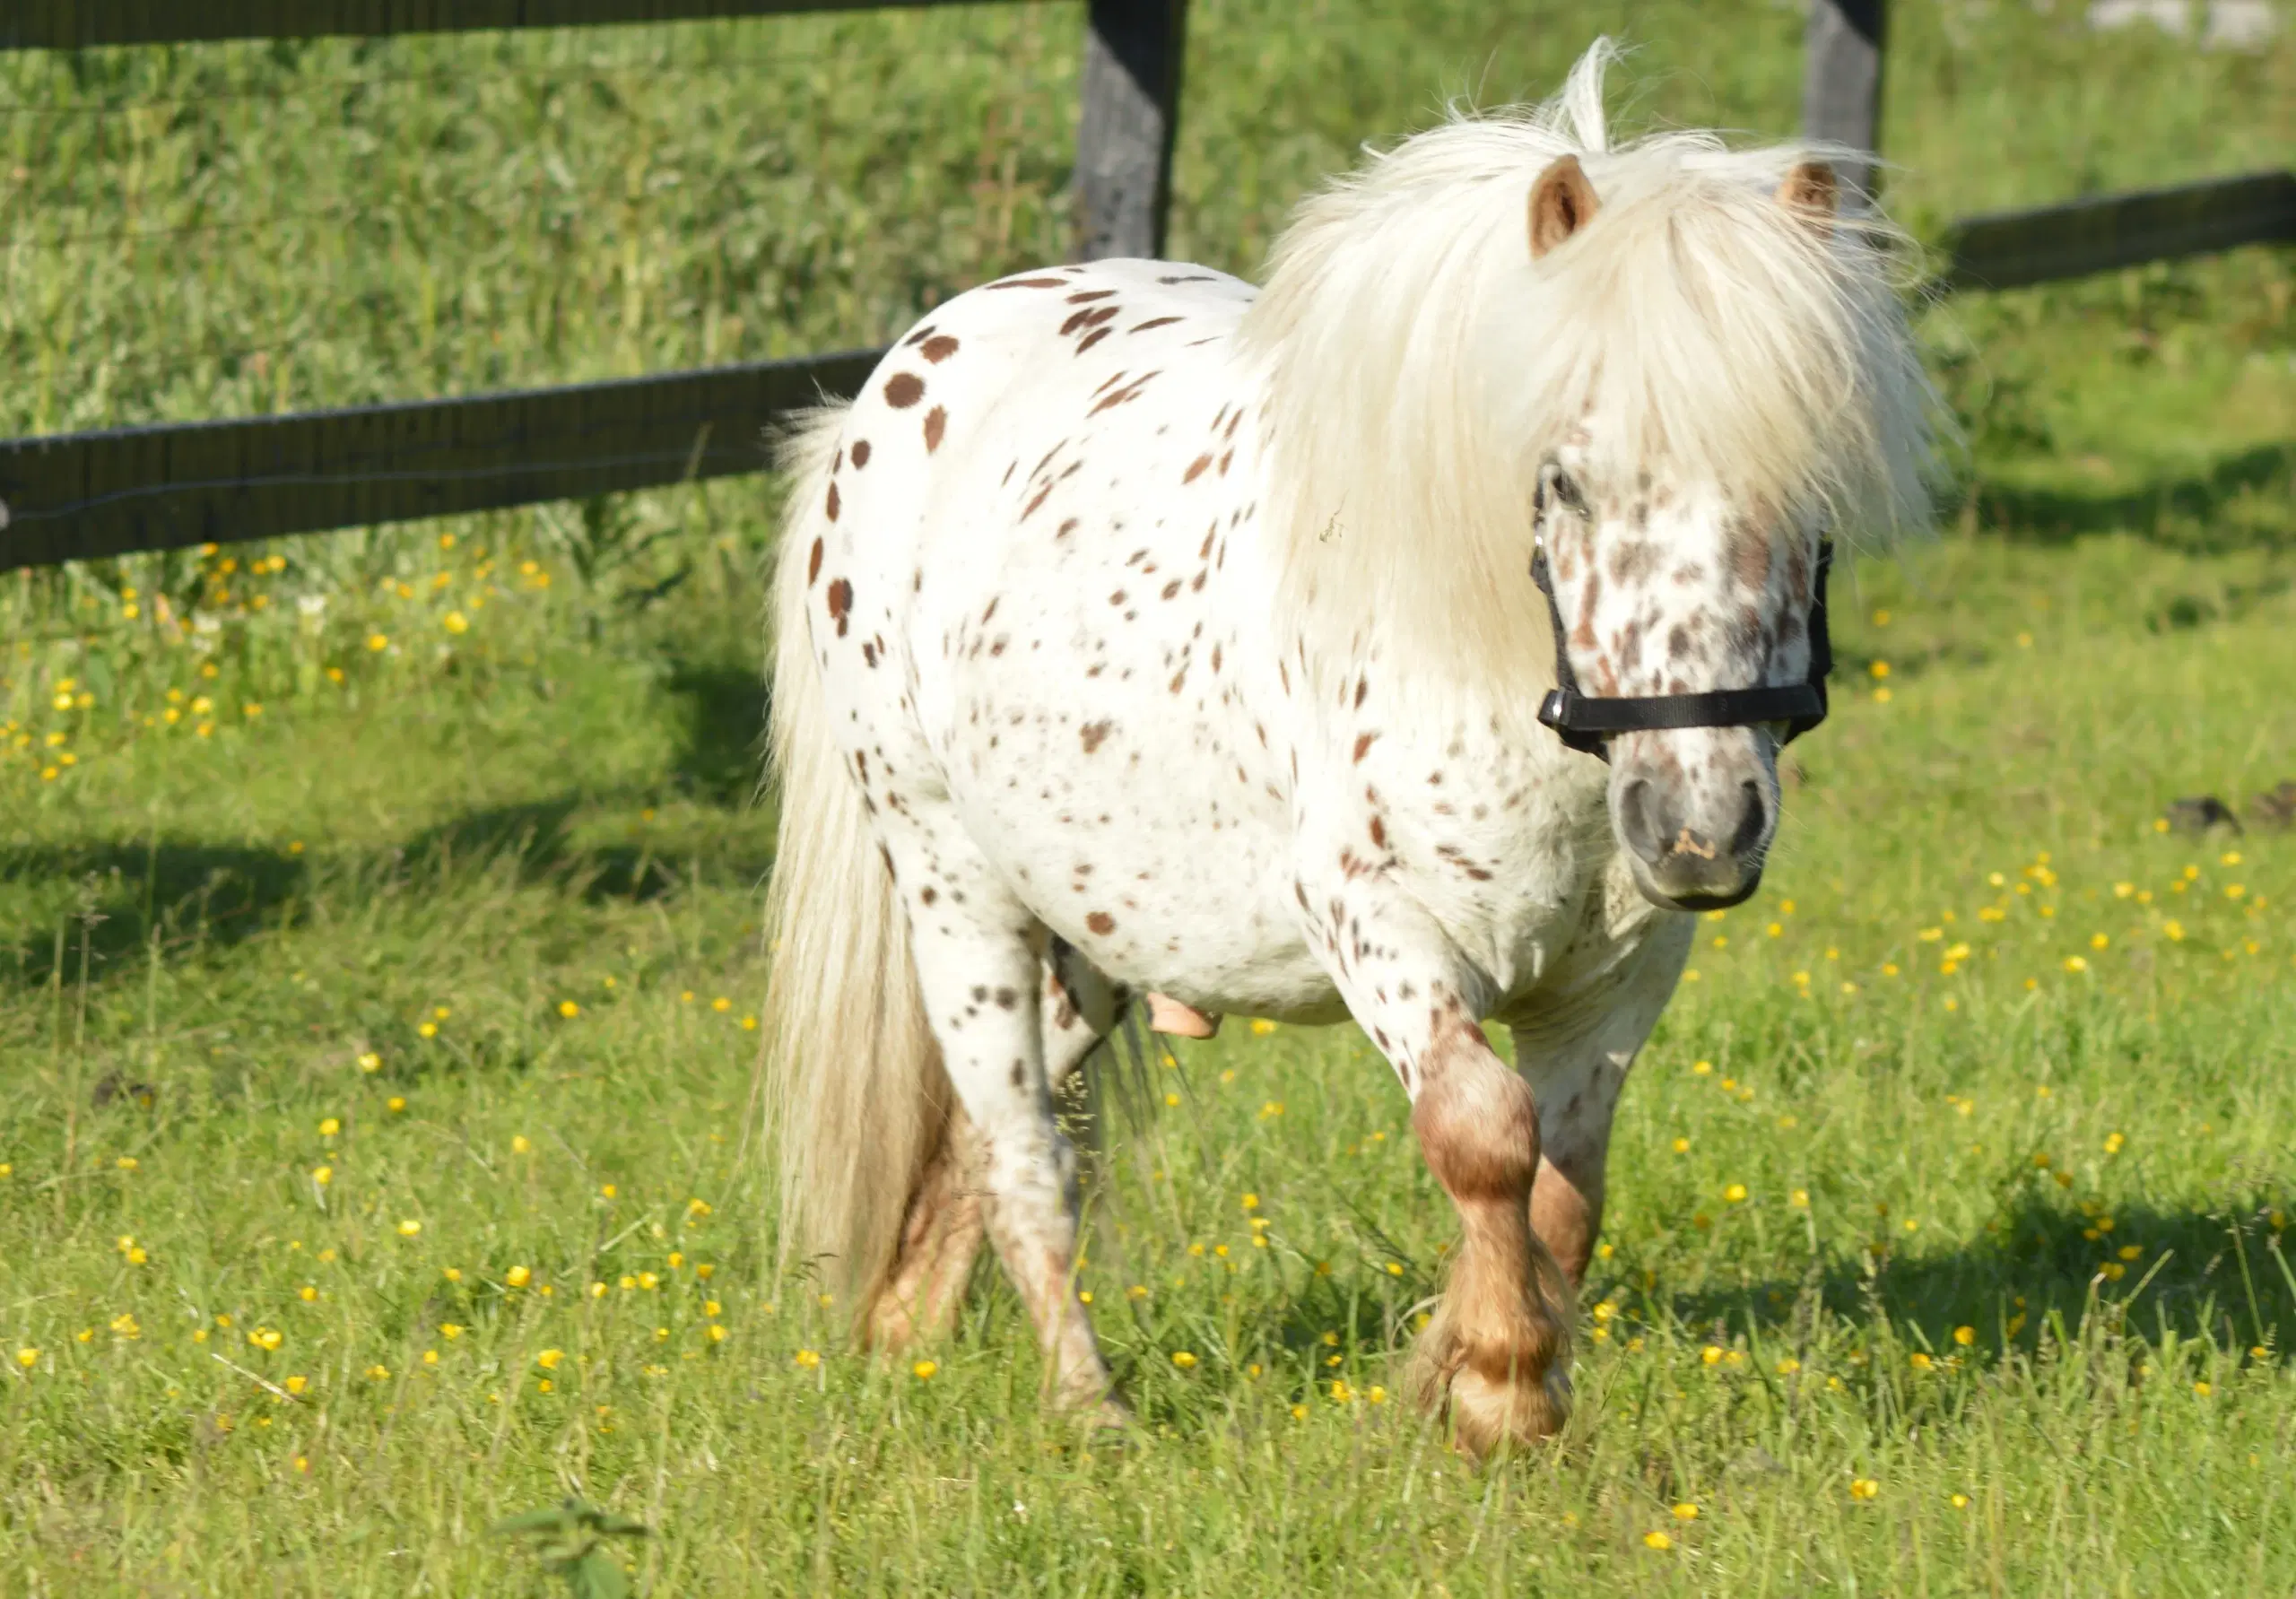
(1668, 588)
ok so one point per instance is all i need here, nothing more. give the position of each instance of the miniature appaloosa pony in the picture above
(1140, 630)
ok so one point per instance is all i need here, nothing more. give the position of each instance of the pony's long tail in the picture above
(857, 1094)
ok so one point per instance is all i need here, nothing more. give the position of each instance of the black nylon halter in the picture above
(1584, 722)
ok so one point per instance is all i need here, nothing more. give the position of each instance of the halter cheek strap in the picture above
(1586, 722)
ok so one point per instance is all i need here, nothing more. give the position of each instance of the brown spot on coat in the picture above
(1101, 923)
(936, 422)
(938, 349)
(904, 389)
(833, 502)
(1196, 469)
(1032, 283)
(1090, 339)
(840, 603)
(814, 564)
(860, 454)
(1151, 322)
(1363, 744)
(1092, 733)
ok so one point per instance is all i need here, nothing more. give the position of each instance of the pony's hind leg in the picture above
(981, 982)
(940, 1237)
(941, 1234)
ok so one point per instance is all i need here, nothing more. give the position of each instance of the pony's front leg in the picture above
(981, 985)
(1577, 1061)
(1496, 1358)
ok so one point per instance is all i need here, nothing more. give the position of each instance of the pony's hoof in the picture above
(1490, 1417)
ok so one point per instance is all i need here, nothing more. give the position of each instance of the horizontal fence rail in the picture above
(83, 496)
(86, 24)
(2014, 248)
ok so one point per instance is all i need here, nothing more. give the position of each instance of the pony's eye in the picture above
(1558, 487)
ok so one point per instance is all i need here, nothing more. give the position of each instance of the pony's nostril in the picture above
(1754, 821)
(1638, 821)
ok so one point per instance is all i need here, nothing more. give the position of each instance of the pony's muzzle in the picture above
(1694, 851)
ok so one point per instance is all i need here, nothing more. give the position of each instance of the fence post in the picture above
(1124, 135)
(1841, 80)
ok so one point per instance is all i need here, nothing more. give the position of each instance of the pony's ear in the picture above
(1562, 202)
(1811, 192)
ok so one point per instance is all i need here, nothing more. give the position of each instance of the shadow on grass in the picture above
(2194, 511)
(2219, 1274)
(120, 895)
(725, 707)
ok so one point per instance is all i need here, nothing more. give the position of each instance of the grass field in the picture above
(380, 910)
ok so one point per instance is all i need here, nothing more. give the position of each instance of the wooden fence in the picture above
(81, 496)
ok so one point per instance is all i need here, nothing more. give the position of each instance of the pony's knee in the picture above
(1477, 1122)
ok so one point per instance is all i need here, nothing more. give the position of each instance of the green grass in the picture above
(395, 776)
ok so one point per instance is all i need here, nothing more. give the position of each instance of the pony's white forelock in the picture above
(1418, 365)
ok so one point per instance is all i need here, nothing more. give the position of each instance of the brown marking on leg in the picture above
(939, 1240)
(1566, 1212)
(1496, 1359)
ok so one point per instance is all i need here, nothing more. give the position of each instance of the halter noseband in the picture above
(1584, 722)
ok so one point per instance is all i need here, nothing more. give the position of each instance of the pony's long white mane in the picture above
(1418, 365)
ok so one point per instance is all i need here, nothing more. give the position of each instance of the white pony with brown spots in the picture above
(1142, 632)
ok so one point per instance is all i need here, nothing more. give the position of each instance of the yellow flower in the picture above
(1183, 1359)
(1251, 1202)
(1960, 1501)
(924, 1370)
(308, 1293)
(1864, 1487)
(429, 1030)
(704, 1271)
(1788, 1366)
(1262, 1026)
(1965, 1336)
(648, 1281)
(395, 1104)
(378, 642)
(699, 1207)
(265, 1338)
(379, 1372)
(1682, 1146)
(808, 1359)
(450, 1331)
(1711, 1354)
(456, 622)
(518, 1276)
(454, 1274)
(2203, 1389)
(717, 1331)
(28, 1358)
(1657, 1540)
(409, 1228)
(569, 1009)
(330, 1127)
(2076, 963)
(125, 1163)
(296, 1385)
(520, 1144)
(721, 1003)
(1686, 1511)
(370, 1063)
(549, 1358)
(1800, 1199)
(1734, 1194)
(1921, 1362)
